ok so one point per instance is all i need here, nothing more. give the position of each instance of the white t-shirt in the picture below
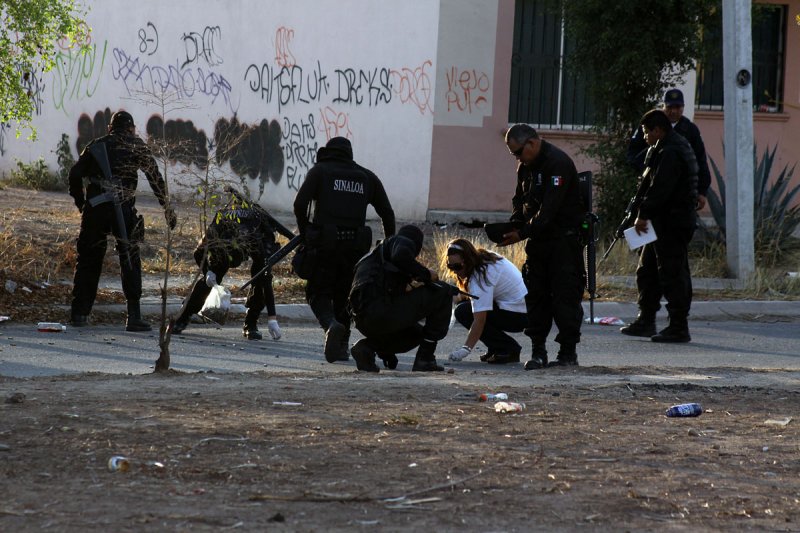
(503, 285)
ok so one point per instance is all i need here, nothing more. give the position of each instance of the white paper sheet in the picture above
(635, 240)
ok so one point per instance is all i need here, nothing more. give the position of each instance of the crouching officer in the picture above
(387, 306)
(331, 211)
(239, 231)
(107, 204)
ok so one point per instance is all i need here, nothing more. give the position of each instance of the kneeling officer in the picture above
(387, 308)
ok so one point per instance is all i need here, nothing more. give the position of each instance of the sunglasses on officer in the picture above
(518, 151)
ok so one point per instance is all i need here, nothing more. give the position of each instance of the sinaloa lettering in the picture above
(348, 186)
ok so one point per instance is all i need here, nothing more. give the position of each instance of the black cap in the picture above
(121, 119)
(413, 234)
(673, 97)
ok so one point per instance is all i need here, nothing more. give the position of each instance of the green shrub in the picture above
(36, 175)
(64, 158)
(776, 214)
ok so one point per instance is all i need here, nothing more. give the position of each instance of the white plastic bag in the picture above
(217, 304)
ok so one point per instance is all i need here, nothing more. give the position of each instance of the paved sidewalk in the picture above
(701, 309)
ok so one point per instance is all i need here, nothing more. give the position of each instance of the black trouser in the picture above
(664, 271)
(555, 277)
(391, 323)
(329, 285)
(96, 224)
(259, 295)
(498, 321)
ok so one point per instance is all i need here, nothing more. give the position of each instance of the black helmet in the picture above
(121, 119)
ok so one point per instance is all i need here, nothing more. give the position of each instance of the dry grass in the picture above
(38, 232)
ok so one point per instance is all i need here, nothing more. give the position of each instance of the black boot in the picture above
(250, 332)
(335, 338)
(364, 356)
(389, 360)
(78, 321)
(135, 322)
(567, 356)
(676, 331)
(179, 325)
(643, 326)
(538, 357)
(425, 361)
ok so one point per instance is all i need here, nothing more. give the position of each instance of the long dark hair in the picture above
(475, 261)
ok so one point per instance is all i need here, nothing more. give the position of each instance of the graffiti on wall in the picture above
(90, 128)
(77, 74)
(253, 151)
(413, 85)
(183, 79)
(4, 128)
(202, 45)
(300, 148)
(467, 90)
(33, 85)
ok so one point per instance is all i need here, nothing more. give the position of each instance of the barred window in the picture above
(543, 93)
(769, 43)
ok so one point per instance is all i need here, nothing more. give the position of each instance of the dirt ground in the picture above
(279, 452)
(393, 452)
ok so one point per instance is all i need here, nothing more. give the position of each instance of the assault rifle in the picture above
(454, 291)
(632, 210)
(112, 192)
(285, 250)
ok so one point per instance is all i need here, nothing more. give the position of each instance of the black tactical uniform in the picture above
(388, 314)
(669, 199)
(548, 205)
(238, 232)
(638, 148)
(127, 154)
(331, 211)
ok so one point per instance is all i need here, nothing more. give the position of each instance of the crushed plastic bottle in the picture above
(119, 463)
(492, 397)
(509, 407)
(55, 327)
(685, 409)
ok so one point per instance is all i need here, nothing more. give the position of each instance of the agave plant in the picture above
(776, 215)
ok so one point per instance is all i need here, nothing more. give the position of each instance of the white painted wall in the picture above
(363, 69)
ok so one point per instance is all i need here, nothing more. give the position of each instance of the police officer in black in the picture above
(673, 108)
(668, 197)
(392, 292)
(331, 211)
(126, 154)
(548, 211)
(239, 231)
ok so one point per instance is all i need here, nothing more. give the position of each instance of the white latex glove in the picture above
(461, 353)
(211, 278)
(274, 329)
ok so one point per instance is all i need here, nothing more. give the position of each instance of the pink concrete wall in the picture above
(470, 167)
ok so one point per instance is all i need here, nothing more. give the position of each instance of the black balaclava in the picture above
(414, 234)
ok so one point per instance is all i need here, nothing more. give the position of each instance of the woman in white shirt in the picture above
(499, 308)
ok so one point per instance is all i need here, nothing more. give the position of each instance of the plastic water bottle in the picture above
(509, 407)
(685, 409)
(493, 397)
(56, 327)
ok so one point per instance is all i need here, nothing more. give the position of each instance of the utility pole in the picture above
(737, 56)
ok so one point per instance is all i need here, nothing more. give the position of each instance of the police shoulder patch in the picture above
(557, 181)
